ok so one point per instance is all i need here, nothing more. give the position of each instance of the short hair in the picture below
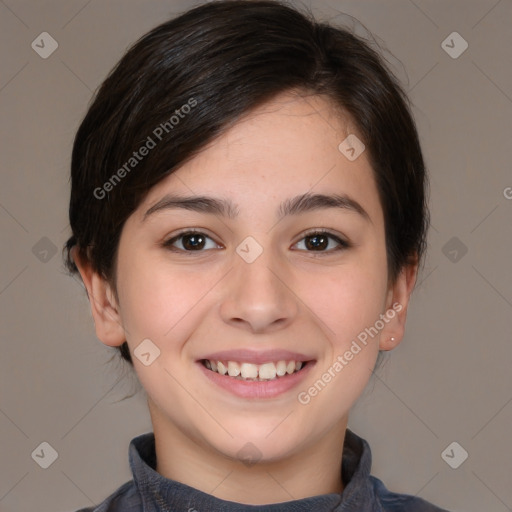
(223, 59)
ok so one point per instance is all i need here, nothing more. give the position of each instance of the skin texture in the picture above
(290, 297)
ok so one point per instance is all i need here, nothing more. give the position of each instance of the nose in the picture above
(259, 297)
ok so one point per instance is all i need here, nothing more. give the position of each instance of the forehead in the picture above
(286, 147)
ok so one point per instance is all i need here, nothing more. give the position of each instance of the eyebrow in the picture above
(226, 208)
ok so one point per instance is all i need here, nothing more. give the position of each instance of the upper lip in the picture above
(256, 356)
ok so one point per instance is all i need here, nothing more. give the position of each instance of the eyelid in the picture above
(202, 231)
(327, 231)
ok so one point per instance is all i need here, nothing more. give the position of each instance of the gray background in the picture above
(448, 381)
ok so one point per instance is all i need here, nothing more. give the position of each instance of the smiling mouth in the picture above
(272, 370)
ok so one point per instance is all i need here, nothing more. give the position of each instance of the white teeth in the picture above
(249, 371)
(233, 369)
(267, 371)
(221, 368)
(281, 368)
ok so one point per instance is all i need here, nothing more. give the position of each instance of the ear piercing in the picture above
(392, 339)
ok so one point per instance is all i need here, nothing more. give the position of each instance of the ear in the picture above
(104, 307)
(397, 301)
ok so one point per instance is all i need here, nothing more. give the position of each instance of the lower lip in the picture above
(257, 389)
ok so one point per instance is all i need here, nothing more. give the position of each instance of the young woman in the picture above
(249, 215)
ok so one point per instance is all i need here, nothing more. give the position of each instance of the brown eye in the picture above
(193, 242)
(322, 242)
(317, 242)
(190, 241)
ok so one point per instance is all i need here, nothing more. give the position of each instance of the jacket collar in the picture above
(160, 494)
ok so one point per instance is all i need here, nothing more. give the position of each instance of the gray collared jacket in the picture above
(151, 492)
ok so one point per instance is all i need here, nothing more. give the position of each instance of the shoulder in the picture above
(394, 502)
(125, 499)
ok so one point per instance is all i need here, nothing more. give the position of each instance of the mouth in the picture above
(250, 372)
(256, 377)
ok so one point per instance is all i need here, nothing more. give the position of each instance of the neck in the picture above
(311, 471)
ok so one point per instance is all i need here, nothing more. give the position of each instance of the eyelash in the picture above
(342, 244)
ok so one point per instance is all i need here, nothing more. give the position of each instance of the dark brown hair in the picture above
(223, 59)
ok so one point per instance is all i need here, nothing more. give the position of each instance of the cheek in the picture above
(348, 303)
(155, 300)
(348, 300)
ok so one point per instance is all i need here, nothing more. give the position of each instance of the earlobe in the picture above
(396, 306)
(104, 307)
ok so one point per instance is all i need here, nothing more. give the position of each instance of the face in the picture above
(282, 267)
